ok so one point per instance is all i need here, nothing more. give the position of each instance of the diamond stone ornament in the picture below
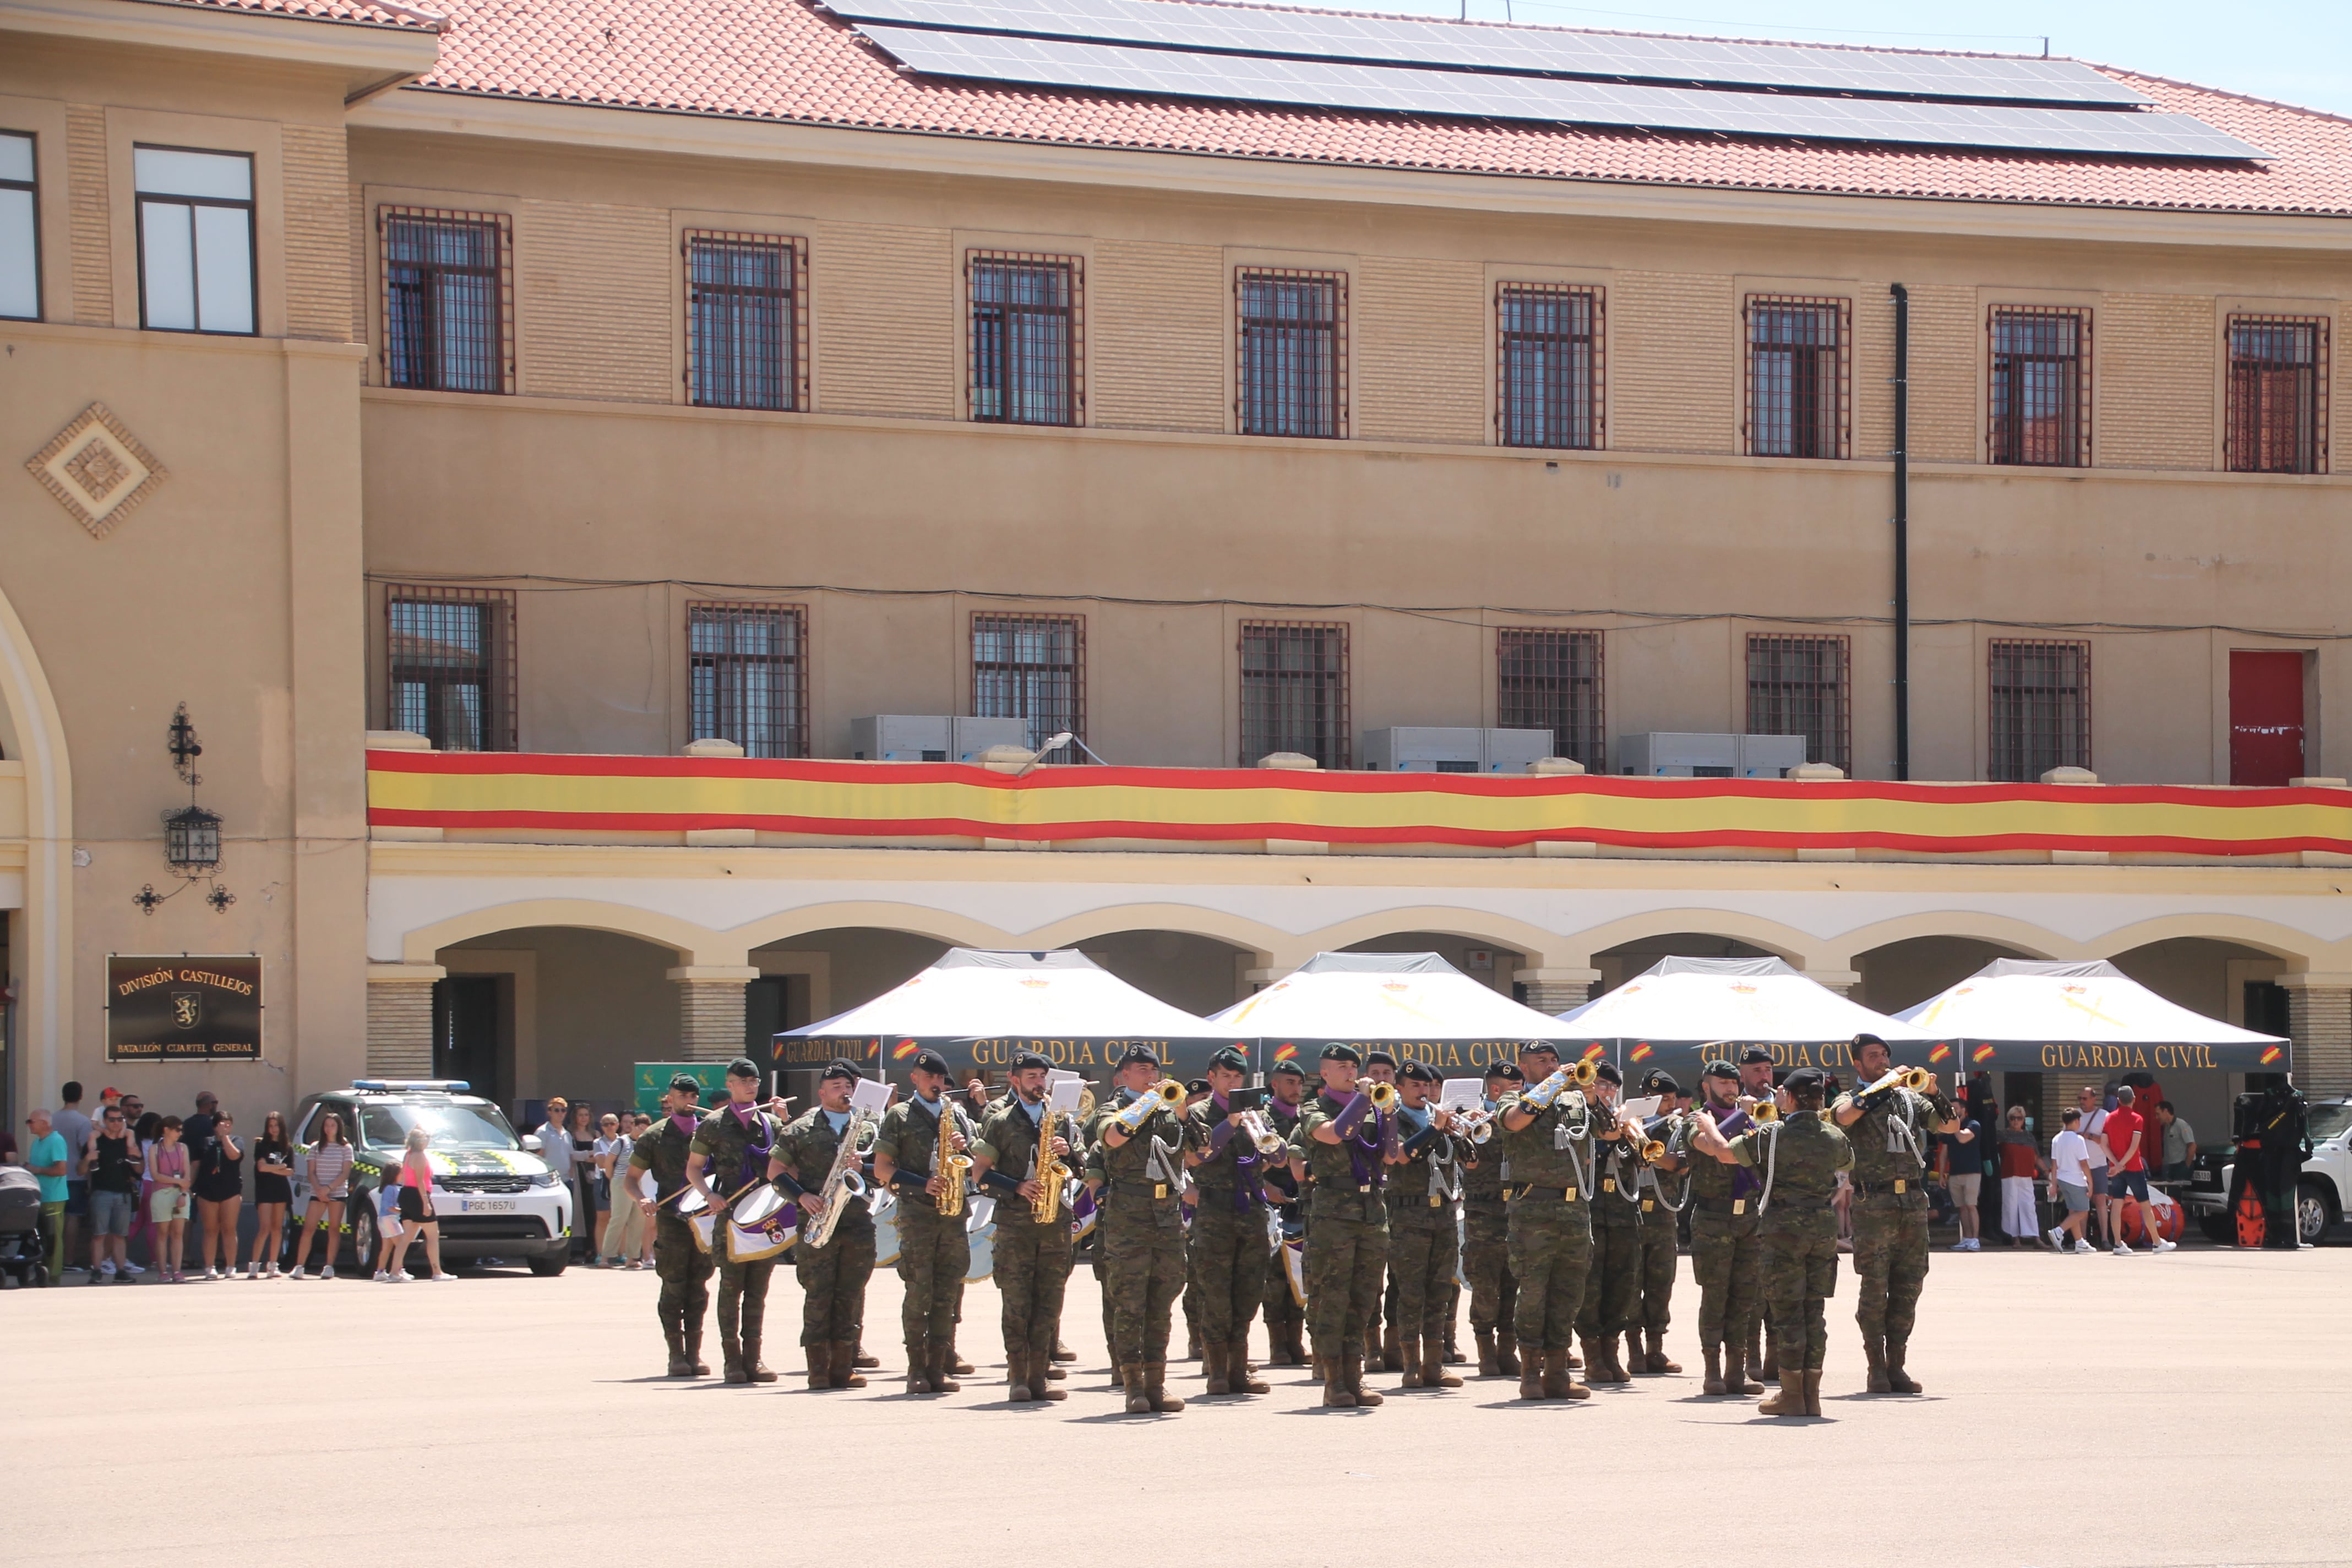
(97, 469)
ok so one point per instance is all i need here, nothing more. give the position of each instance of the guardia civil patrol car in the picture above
(492, 1194)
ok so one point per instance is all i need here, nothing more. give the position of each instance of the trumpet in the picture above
(1383, 1096)
(1265, 1138)
(1582, 1074)
(1475, 1126)
(1166, 1095)
(1764, 1110)
(950, 1167)
(1919, 1081)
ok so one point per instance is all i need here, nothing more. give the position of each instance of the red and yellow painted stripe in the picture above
(870, 801)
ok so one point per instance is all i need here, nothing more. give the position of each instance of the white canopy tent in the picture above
(1681, 1010)
(979, 1009)
(1414, 1004)
(2028, 1015)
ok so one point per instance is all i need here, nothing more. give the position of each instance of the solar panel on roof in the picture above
(1560, 51)
(1248, 78)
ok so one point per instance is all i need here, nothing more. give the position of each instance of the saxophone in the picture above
(1052, 1173)
(950, 1167)
(845, 1181)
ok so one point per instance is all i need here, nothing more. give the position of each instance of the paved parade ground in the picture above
(2188, 1409)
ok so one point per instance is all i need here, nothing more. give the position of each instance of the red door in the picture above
(2265, 717)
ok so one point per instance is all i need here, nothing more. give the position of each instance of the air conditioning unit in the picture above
(930, 737)
(1661, 755)
(1429, 749)
(1770, 756)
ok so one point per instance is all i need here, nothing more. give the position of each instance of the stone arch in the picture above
(692, 943)
(1801, 949)
(2299, 949)
(36, 735)
(1541, 949)
(942, 926)
(2022, 937)
(1255, 938)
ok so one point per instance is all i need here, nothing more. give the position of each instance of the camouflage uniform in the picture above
(933, 1251)
(1890, 1219)
(1802, 1161)
(833, 1282)
(1229, 1247)
(1142, 1229)
(735, 1150)
(1655, 1258)
(1726, 1257)
(1613, 1286)
(1347, 1242)
(1424, 1243)
(1551, 1234)
(1285, 1319)
(683, 1268)
(1486, 1257)
(1033, 1260)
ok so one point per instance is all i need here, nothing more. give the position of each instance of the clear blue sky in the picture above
(2297, 51)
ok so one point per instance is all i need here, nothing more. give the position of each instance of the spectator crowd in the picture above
(2088, 1190)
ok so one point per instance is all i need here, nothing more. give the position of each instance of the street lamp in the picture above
(191, 837)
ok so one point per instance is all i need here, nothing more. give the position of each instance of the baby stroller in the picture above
(21, 1254)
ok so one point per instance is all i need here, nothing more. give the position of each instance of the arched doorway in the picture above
(1620, 964)
(1481, 960)
(536, 1011)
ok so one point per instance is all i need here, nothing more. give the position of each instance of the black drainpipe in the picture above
(1902, 530)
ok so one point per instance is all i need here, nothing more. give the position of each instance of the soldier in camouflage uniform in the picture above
(1727, 1254)
(832, 1279)
(1033, 1259)
(730, 1153)
(1122, 1091)
(1285, 1319)
(1756, 1088)
(1545, 1130)
(1137, 1171)
(1660, 1188)
(679, 1261)
(1889, 1130)
(1338, 1147)
(1801, 1156)
(933, 1251)
(1228, 1249)
(1380, 1066)
(1612, 1285)
(1487, 1242)
(1424, 1232)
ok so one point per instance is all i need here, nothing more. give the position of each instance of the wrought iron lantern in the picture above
(191, 836)
(192, 841)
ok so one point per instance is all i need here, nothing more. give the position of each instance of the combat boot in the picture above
(1213, 1368)
(1714, 1384)
(1432, 1367)
(1874, 1351)
(1507, 1353)
(1558, 1379)
(1295, 1342)
(1737, 1378)
(1634, 1362)
(944, 1367)
(1238, 1371)
(730, 1358)
(1045, 1368)
(1657, 1356)
(858, 1357)
(1391, 1352)
(1062, 1352)
(1130, 1375)
(1155, 1389)
(954, 1362)
(1789, 1400)
(845, 1372)
(918, 1369)
(1485, 1337)
(680, 1364)
(1191, 1343)
(1337, 1395)
(1898, 1380)
(1041, 1370)
(1016, 1378)
(694, 1351)
(755, 1369)
(820, 1364)
(1453, 1356)
(1533, 1381)
(1366, 1398)
(1813, 1391)
(1768, 1365)
(1409, 1361)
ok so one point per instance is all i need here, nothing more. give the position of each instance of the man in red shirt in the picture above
(2127, 1172)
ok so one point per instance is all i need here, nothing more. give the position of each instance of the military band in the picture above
(1552, 1204)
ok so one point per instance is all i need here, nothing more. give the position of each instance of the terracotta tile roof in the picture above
(388, 13)
(783, 60)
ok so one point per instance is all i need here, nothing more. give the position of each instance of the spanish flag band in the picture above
(1349, 1218)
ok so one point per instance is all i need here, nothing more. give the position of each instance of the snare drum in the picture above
(694, 1209)
(763, 1223)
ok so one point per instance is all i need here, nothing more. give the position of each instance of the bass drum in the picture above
(982, 1241)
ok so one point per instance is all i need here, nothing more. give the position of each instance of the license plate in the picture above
(489, 1205)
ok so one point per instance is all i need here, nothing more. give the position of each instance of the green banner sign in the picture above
(653, 1082)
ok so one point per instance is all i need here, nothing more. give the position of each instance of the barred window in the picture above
(1797, 376)
(1025, 339)
(746, 320)
(1292, 357)
(1547, 366)
(2041, 709)
(448, 297)
(1032, 667)
(450, 655)
(743, 677)
(1552, 681)
(1797, 686)
(1295, 691)
(2278, 396)
(2041, 379)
